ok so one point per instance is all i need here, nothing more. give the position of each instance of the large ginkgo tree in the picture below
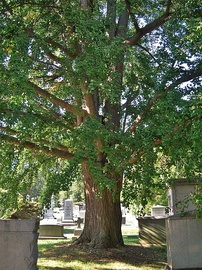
(108, 88)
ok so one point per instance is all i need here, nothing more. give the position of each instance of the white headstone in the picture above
(76, 212)
(48, 213)
(158, 211)
(68, 210)
(82, 214)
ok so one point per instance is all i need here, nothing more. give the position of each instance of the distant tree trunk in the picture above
(103, 217)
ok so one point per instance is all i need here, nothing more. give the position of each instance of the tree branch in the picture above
(111, 17)
(122, 24)
(185, 78)
(62, 48)
(140, 32)
(45, 94)
(158, 141)
(128, 6)
(147, 51)
(52, 57)
(30, 33)
(54, 116)
(34, 147)
(10, 131)
(89, 101)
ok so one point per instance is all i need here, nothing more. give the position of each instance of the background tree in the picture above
(104, 85)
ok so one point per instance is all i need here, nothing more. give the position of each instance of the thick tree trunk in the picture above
(103, 218)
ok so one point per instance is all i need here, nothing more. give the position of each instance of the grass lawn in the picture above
(62, 255)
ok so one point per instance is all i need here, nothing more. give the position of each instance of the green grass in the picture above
(45, 245)
(131, 239)
(69, 231)
(61, 255)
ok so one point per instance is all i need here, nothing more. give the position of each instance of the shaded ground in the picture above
(133, 255)
(62, 255)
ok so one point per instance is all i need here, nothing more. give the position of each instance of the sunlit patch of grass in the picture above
(78, 265)
(131, 239)
(129, 230)
(69, 230)
(130, 235)
(56, 264)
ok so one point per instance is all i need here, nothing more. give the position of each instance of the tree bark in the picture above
(103, 217)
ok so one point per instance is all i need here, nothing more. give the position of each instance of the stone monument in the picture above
(68, 211)
(179, 195)
(18, 249)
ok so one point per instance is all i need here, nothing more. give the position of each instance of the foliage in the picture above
(26, 210)
(112, 84)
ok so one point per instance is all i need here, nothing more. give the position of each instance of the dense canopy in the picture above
(109, 88)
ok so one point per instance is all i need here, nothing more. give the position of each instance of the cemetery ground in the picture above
(63, 255)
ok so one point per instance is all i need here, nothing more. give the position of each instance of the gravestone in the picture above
(51, 231)
(75, 212)
(78, 230)
(179, 195)
(158, 211)
(123, 213)
(184, 241)
(18, 249)
(152, 231)
(68, 210)
(48, 213)
(82, 214)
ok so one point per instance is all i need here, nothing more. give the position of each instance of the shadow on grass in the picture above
(132, 254)
(45, 245)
